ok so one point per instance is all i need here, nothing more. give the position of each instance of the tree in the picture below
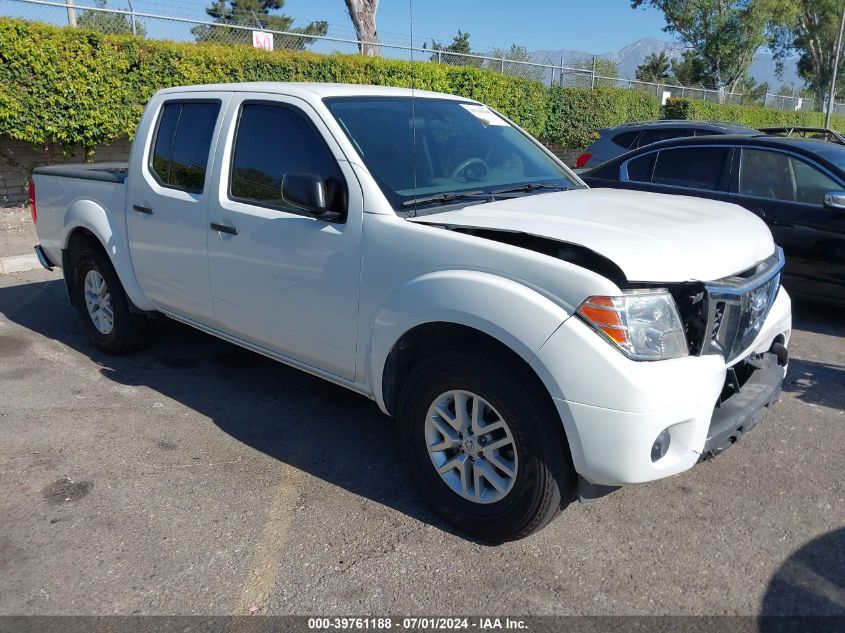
(752, 92)
(363, 16)
(455, 52)
(254, 14)
(516, 54)
(690, 70)
(111, 23)
(723, 35)
(603, 67)
(811, 30)
(654, 68)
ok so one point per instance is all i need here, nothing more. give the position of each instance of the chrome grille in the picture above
(737, 307)
(718, 315)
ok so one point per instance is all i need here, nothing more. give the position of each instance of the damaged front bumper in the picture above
(752, 388)
(629, 422)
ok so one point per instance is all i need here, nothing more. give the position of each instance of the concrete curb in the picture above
(18, 264)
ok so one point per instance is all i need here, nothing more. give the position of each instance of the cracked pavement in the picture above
(198, 478)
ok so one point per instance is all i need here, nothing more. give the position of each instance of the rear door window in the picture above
(182, 143)
(692, 167)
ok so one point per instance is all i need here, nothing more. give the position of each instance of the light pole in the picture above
(835, 68)
(71, 13)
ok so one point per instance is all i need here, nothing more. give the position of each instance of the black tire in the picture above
(545, 479)
(130, 330)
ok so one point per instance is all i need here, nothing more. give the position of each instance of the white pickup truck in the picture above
(536, 340)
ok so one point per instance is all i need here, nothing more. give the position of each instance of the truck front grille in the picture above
(718, 315)
(736, 308)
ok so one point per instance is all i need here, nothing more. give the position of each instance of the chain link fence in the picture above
(798, 103)
(128, 19)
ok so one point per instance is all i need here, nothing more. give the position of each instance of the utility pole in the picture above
(71, 13)
(132, 18)
(830, 101)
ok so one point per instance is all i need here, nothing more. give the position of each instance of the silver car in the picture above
(614, 141)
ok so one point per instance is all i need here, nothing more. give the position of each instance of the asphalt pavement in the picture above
(198, 478)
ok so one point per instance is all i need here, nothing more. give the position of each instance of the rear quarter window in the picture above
(606, 171)
(625, 140)
(640, 168)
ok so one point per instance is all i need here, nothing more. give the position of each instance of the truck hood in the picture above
(652, 237)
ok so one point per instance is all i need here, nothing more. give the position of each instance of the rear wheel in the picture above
(103, 306)
(484, 446)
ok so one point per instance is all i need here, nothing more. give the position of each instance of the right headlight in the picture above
(642, 324)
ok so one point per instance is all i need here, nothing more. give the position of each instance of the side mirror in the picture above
(305, 191)
(835, 200)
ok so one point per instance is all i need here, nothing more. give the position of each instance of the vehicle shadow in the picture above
(816, 383)
(809, 583)
(818, 318)
(304, 421)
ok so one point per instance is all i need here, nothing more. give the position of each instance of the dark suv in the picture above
(615, 141)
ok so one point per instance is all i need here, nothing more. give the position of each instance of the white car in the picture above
(535, 340)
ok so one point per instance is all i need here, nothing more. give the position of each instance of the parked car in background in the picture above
(821, 133)
(797, 186)
(615, 141)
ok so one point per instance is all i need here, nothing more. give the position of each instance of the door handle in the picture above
(141, 209)
(222, 228)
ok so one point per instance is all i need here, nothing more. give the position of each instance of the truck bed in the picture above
(105, 172)
(94, 191)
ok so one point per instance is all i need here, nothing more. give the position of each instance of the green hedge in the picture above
(751, 116)
(78, 87)
(576, 114)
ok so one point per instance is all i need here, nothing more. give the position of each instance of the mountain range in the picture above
(628, 58)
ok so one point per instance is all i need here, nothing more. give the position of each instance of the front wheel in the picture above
(103, 306)
(484, 446)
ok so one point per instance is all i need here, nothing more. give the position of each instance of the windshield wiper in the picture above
(529, 187)
(443, 198)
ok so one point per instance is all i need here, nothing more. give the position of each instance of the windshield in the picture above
(427, 152)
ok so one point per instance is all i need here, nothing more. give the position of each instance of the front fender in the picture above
(517, 316)
(93, 217)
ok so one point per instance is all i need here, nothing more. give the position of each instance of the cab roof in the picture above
(312, 89)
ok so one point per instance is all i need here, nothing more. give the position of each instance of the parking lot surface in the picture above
(198, 478)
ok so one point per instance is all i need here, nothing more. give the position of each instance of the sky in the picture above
(594, 26)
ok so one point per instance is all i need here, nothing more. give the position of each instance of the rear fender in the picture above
(89, 215)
